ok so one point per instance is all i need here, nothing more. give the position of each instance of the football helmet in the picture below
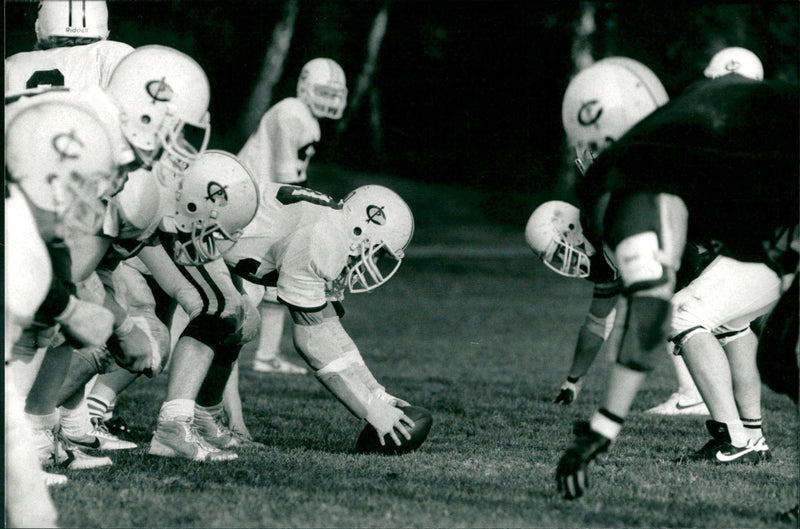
(62, 157)
(163, 97)
(555, 235)
(216, 198)
(380, 226)
(735, 60)
(602, 102)
(323, 87)
(71, 18)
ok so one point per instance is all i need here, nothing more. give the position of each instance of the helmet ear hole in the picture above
(145, 119)
(191, 206)
(357, 231)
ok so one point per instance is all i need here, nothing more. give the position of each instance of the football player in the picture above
(144, 128)
(279, 151)
(59, 164)
(72, 49)
(313, 249)
(667, 180)
(601, 103)
(736, 60)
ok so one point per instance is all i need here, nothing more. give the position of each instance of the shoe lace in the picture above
(99, 429)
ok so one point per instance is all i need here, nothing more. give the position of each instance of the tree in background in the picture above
(271, 69)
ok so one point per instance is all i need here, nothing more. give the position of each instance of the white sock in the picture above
(172, 409)
(75, 423)
(42, 422)
(737, 432)
(752, 428)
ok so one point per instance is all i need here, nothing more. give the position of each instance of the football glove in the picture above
(86, 323)
(571, 475)
(568, 392)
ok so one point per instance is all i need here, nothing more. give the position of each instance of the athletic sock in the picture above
(75, 423)
(737, 432)
(606, 423)
(99, 408)
(42, 422)
(172, 409)
(752, 428)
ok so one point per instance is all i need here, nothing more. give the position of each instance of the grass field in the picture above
(476, 330)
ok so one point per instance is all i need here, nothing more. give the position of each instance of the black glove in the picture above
(571, 470)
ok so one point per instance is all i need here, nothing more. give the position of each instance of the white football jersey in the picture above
(73, 66)
(297, 242)
(282, 146)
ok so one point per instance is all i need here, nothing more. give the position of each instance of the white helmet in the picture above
(735, 60)
(603, 101)
(555, 235)
(323, 87)
(380, 226)
(72, 18)
(216, 198)
(62, 157)
(163, 97)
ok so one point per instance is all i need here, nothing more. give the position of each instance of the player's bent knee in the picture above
(646, 320)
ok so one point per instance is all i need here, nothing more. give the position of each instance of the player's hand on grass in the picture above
(568, 392)
(86, 323)
(389, 420)
(571, 471)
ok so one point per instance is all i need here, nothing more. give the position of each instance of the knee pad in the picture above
(209, 330)
(225, 355)
(646, 328)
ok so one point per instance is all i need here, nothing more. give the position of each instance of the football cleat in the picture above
(278, 365)
(117, 426)
(213, 430)
(755, 451)
(99, 438)
(52, 480)
(178, 438)
(678, 404)
(54, 449)
(720, 438)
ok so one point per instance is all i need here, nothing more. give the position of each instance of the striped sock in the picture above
(753, 428)
(99, 408)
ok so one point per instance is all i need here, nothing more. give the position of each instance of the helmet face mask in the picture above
(163, 97)
(323, 87)
(61, 156)
(381, 226)
(216, 198)
(555, 235)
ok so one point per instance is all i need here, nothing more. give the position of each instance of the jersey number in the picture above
(45, 77)
(288, 194)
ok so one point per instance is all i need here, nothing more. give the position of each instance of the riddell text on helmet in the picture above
(77, 30)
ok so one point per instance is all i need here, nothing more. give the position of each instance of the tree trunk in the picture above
(582, 56)
(363, 85)
(272, 68)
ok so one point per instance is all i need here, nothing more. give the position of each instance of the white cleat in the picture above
(55, 449)
(52, 480)
(178, 438)
(99, 438)
(678, 404)
(278, 365)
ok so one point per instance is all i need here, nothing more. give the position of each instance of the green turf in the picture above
(483, 343)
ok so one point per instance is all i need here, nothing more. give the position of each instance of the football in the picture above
(368, 442)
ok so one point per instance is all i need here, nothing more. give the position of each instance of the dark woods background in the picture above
(465, 92)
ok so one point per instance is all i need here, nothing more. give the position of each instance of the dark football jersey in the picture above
(727, 147)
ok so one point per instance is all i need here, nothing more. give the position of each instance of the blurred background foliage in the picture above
(466, 92)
